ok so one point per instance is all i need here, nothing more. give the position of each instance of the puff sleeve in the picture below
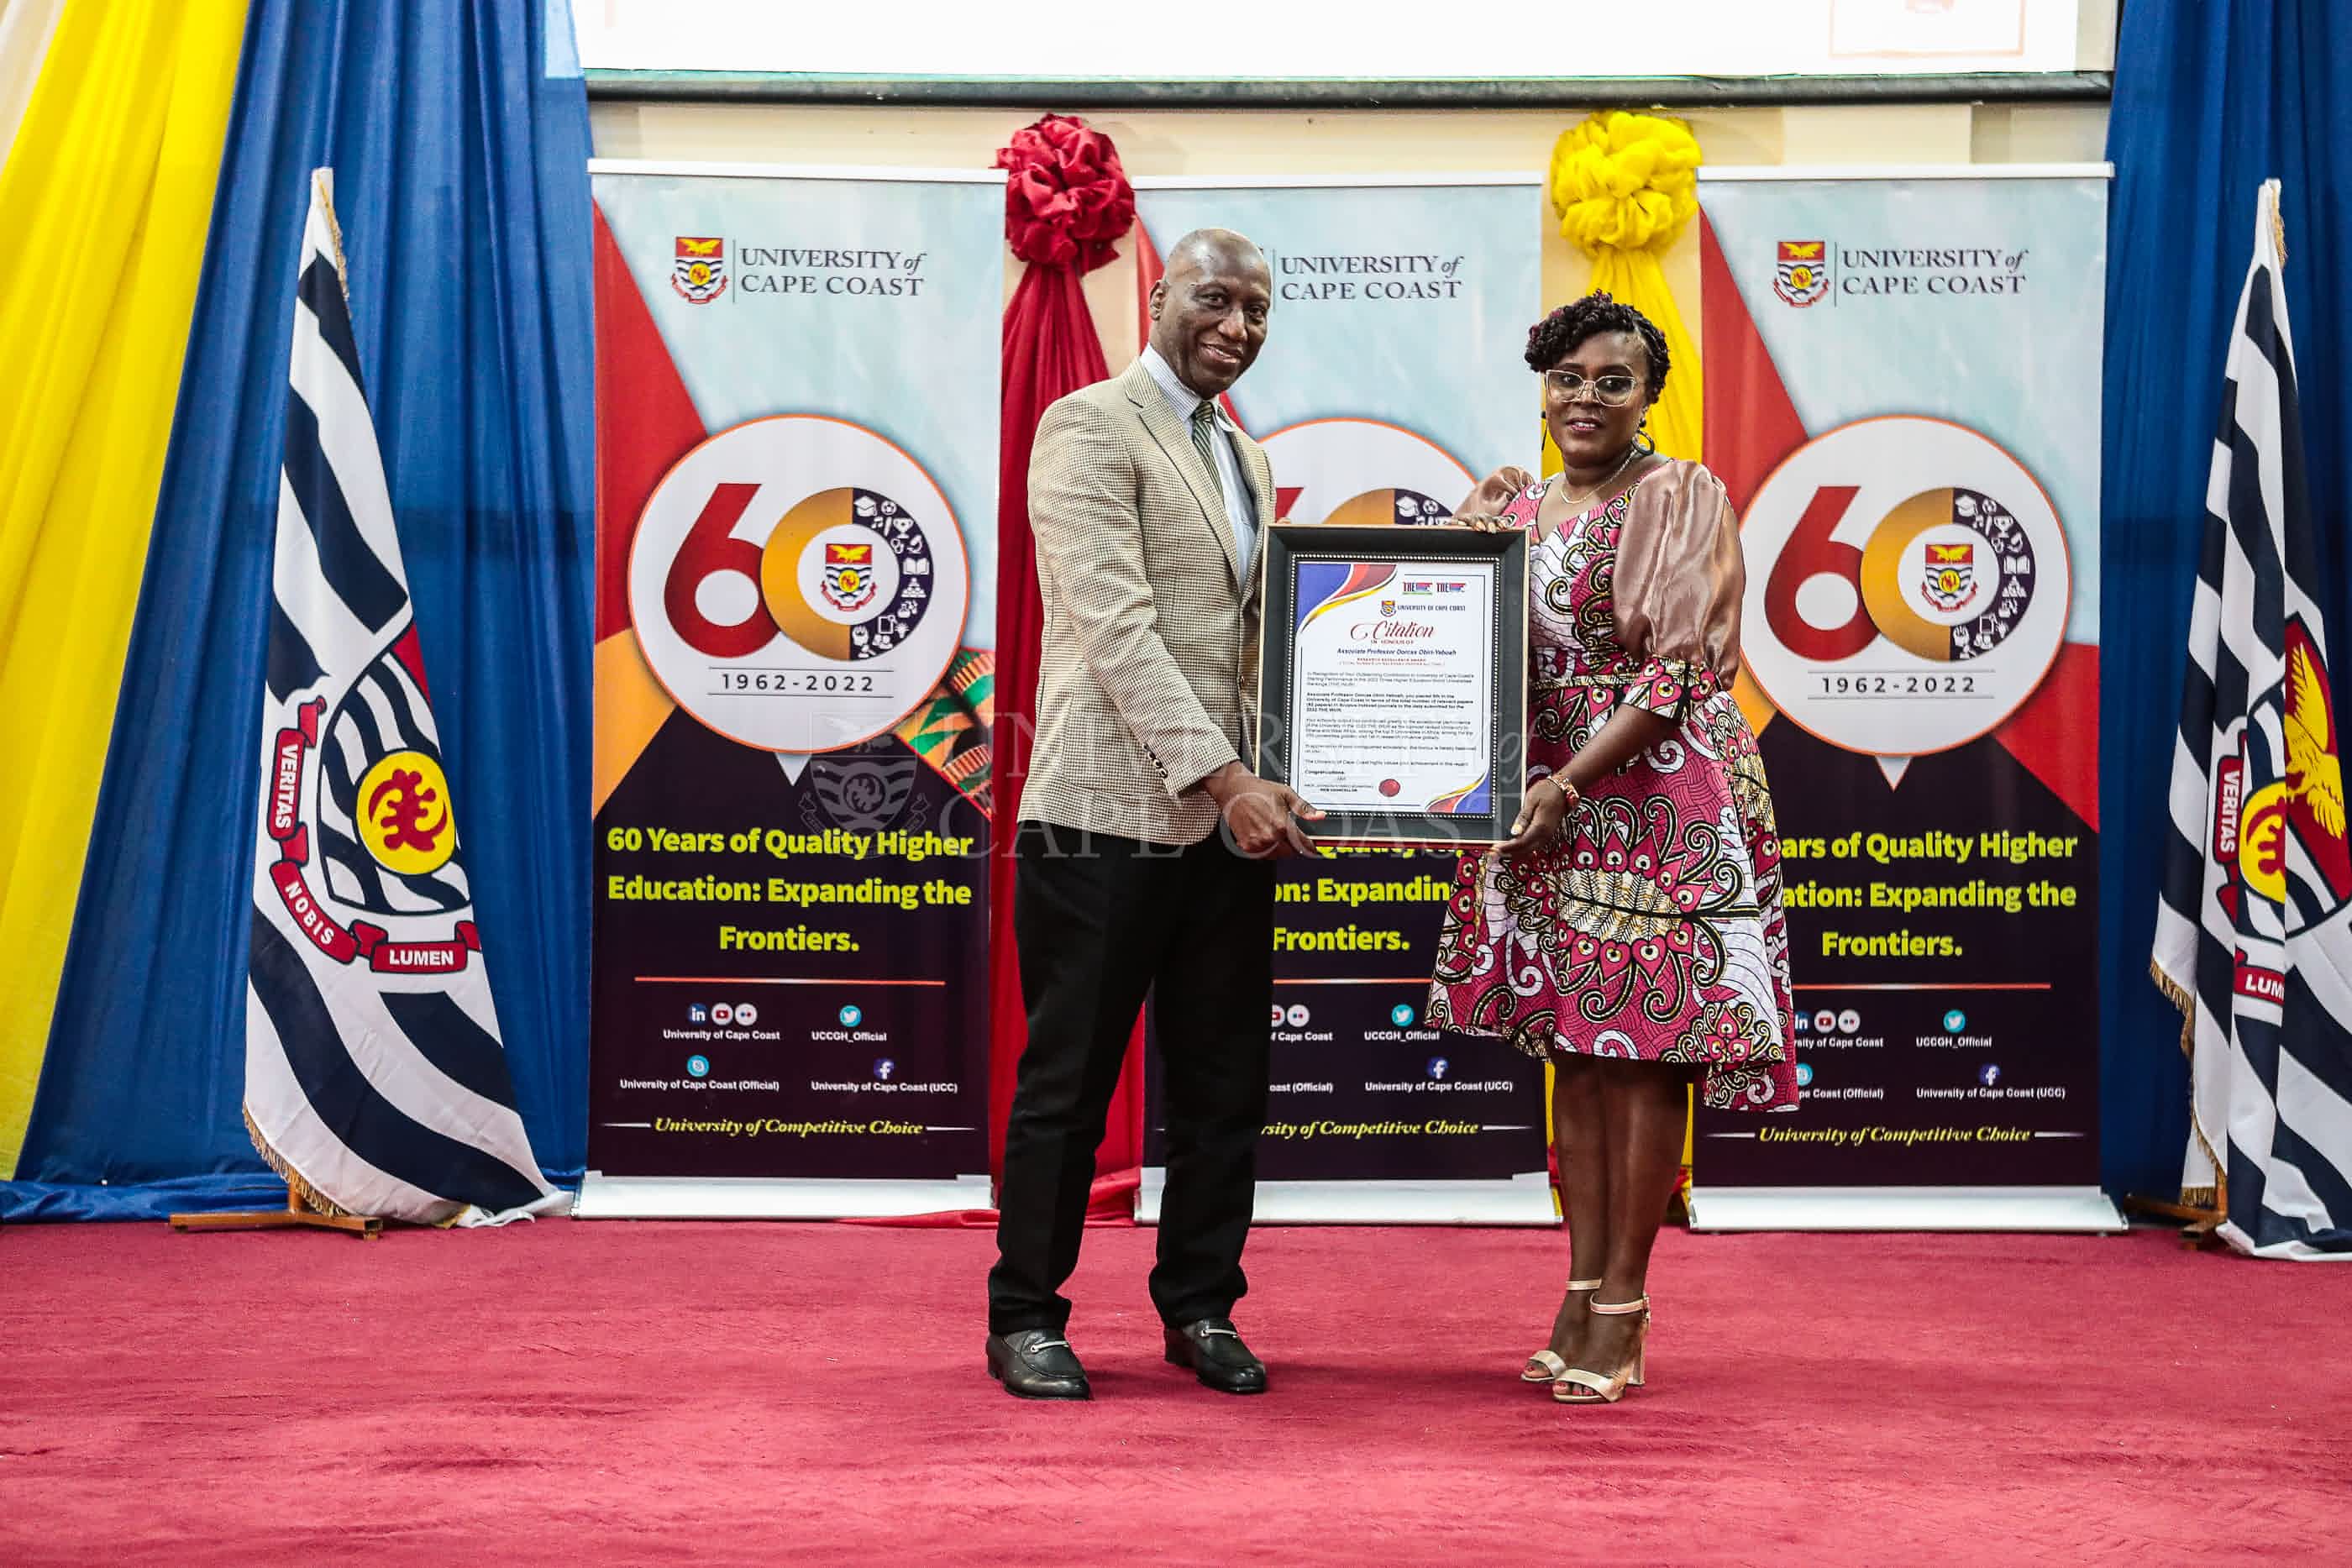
(1677, 588)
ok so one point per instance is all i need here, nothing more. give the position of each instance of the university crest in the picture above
(1801, 273)
(699, 273)
(359, 808)
(1950, 578)
(848, 575)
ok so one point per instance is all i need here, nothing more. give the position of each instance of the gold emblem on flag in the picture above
(403, 814)
(2303, 808)
(2315, 774)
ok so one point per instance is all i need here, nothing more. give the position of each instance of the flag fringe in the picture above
(2200, 1196)
(2180, 998)
(308, 1196)
(323, 182)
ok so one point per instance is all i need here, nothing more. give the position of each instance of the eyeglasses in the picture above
(1610, 391)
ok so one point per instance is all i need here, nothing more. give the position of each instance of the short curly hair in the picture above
(1552, 339)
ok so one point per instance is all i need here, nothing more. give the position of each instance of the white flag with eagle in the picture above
(375, 1081)
(2253, 931)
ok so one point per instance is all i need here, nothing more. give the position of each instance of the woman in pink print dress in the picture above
(1631, 931)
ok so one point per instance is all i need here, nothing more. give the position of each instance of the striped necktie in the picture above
(1205, 424)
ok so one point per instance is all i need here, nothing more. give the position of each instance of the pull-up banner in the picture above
(1391, 383)
(795, 623)
(1903, 399)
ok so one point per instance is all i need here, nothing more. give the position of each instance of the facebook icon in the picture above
(1439, 1067)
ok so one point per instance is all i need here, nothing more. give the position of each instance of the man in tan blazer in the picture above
(1144, 840)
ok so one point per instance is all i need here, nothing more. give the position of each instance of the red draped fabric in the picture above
(1067, 204)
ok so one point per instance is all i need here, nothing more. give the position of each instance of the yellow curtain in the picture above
(104, 199)
(1625, 186)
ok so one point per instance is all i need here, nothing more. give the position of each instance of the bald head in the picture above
(1213, 250)
(1208, 309)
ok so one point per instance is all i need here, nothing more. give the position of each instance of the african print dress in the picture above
(1654, 927)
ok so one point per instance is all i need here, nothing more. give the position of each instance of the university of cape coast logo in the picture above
(699, 273)
(1801, 275)
(1931, 541)
(367, 839)
(1950, 579)
(847, 573)
(798, 583)
(864, 788)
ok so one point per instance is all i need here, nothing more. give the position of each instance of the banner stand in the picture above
(2072, 1210)
(798, 377)
(1389, 384)
(1523, 1200)
(772, 1197)
(1913, 456)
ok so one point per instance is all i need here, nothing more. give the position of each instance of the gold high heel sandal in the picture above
(1578, 1387)
(1545, 1365)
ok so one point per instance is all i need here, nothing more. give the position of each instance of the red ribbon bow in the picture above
(1065, 200)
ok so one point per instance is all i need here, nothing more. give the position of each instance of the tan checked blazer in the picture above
(1148, 672)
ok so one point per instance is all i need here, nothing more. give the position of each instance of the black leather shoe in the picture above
(1213, 1348)
(1037, 1363)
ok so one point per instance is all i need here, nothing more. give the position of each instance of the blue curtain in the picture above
(2213, 97)
(459, 139)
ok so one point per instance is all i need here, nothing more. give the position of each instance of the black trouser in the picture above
(1101, 921)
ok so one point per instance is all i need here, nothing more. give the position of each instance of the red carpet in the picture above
(604, 1394)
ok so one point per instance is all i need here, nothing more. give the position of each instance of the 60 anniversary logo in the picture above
(1916, 591)
(798, 583)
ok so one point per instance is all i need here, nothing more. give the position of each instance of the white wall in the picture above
(1272, 142)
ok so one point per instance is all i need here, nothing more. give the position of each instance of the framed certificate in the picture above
(1392, 680)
